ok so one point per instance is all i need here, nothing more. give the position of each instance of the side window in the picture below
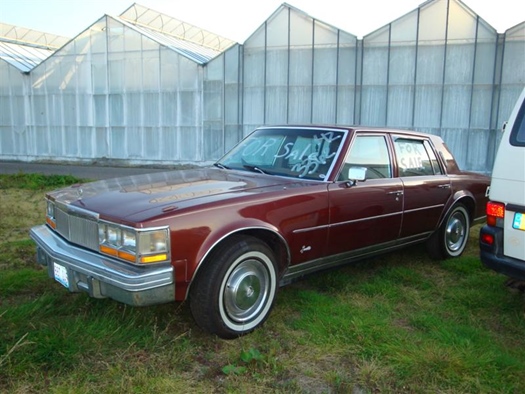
(433, 160)
(370, 152)
(413, 158)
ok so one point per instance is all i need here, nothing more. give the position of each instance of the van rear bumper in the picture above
(492, 256)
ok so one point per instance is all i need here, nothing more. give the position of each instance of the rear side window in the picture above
(415, 158)
(517, 134)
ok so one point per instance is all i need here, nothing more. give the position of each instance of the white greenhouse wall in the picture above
(116, 93)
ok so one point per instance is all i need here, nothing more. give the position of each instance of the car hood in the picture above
(141, 197)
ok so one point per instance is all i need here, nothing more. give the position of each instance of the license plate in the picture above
(519, 221)
(61, 275)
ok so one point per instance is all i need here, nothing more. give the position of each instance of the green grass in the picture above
(397, 323)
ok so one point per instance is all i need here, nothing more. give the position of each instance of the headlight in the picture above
(50, 214)
(134, 245)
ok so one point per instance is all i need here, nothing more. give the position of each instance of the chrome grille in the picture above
(77, 227)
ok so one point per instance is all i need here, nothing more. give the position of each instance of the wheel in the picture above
(234, 291)
(451, 238)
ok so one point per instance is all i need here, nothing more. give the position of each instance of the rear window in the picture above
(517, 134)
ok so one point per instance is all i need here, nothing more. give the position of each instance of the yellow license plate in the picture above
(519, 221)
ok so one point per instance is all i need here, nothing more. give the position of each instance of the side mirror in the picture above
(356, 174)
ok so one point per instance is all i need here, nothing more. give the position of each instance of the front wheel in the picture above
(451, 238)
(234, 291)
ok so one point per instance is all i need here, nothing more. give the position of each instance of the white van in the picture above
(502, 239)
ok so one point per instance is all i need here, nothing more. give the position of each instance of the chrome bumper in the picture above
(100, 276)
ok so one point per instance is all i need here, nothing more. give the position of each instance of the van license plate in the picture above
(61, 275)
(519, 221)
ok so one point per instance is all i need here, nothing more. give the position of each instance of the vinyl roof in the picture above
(25, 48)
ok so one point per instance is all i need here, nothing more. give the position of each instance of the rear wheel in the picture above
(451, 238)
(234, 292)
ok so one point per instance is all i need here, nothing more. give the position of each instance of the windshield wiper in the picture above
(254, 168)
(221, 166)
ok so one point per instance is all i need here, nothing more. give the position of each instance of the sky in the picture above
(238, 19)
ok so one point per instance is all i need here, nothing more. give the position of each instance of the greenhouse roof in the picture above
(24, 48)
(191, 41)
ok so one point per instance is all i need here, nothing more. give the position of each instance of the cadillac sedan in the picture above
(283, 203)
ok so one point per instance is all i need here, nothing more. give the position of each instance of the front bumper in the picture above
(492, 255)
(103, 277)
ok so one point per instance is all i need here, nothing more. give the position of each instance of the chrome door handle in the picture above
(397, 192)
(444, 186)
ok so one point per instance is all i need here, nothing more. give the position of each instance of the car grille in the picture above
(78, 227)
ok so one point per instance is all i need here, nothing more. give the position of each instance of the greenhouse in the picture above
(147, 88)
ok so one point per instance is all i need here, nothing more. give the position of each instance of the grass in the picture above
(397, 323)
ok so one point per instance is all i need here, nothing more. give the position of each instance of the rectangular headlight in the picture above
(134, 245)
(50, 213)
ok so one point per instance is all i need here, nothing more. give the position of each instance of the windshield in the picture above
(298, 153)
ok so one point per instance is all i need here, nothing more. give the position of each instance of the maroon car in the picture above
(285, 202)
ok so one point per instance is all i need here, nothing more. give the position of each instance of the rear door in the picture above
(426, 188)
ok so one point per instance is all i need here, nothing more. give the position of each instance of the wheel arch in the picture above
(465, 198)
(273, 239)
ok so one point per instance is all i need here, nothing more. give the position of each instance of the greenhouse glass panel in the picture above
(301, 30)
(300, 104)
(254, 67)
(277, 67)
(324, 105)
(151, 104)
(151, 71)
(188, 74)
(116, 109)
(133, 72)
(433, 23)
(253, 104)
(117, 143)
(481, 107)
(98, 41)
(276, 105)
(373, 105)
(169, 148)
(134, 141)
(402, 65)
(277, 30)
(99, 74)
(213, 142)
(428, 106)
(461, 23)
(133, 109)
(301, 67)
(232, 108)
(231, 60)
(102, 142)
(189, 143)
(325, 66)
(152, 142)
(404, 30)
(115, 36)
(460, 64)
(400, 104)
(100, 103)
(71, 141)
(456, 106)
(116, 73)
(257, 39)
(189, 108)
(86, 147)
(169, 108)
(56, 137)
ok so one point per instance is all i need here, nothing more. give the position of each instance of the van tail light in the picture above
(495, 213)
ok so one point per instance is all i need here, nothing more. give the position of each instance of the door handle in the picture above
(444, 186)
(396, 193)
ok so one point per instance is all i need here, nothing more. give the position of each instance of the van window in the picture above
(517, 134)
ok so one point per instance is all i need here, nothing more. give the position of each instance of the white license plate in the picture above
(61, 275)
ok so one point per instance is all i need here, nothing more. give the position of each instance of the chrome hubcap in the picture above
(246, 291)
(455, 232)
